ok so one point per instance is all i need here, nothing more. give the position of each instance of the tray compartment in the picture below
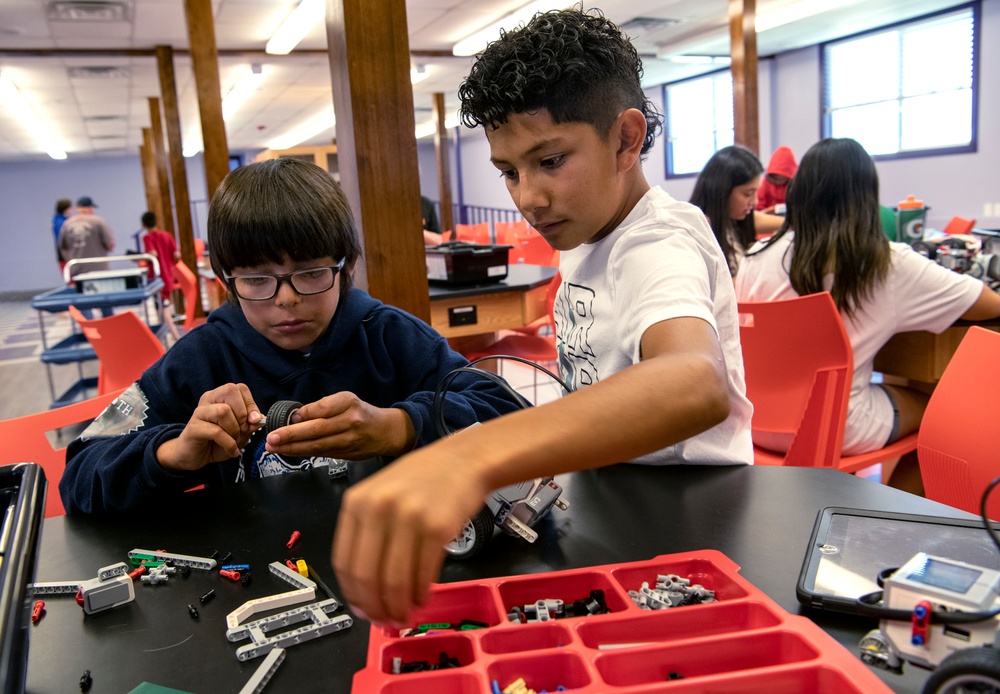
(698, 569)
(816, 679)
(429, 648)
(450, 681)
(643, 665)
(568, 587)
(525, 637)
(547, 670)
(451, 603)
(679, 623)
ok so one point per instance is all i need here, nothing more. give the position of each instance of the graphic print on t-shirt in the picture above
(125, 414)
(574, 308)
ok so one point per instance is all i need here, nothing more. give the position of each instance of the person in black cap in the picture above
(85, 235)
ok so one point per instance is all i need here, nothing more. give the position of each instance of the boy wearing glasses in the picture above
(282, 235)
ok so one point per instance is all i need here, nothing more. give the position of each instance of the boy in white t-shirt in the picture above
(646, 316)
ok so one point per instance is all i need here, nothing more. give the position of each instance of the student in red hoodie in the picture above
(780, 170)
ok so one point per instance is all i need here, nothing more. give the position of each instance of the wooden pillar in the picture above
(443, 161)
(377, 147)
(743, 50)
(184, 231)
(166, 219)
(205, 62)
(150, 181)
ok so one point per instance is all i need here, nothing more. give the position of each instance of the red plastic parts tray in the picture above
(743, 642)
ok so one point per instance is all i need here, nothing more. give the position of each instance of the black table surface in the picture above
(519, 277)
(760, 517)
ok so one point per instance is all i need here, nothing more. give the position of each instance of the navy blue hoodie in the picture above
(383, 355)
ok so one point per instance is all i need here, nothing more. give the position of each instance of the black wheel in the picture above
(280, 414)
(966, 671)
(473, 536)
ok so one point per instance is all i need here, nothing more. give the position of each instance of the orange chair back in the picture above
(536, 249)
(188, 283)
(798, 363)
(25, 441)
(125, 347)
(958, 440)
(959, 225)
(473, 233)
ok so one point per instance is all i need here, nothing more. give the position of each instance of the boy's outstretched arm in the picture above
(390, 536)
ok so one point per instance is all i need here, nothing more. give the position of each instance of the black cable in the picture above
(437, 404)
(982, 512)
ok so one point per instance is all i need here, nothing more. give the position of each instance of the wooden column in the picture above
(743, 50)
(166, 220)
(443, 161)
(205, 62)
(184, 231)
(150, 181)
(377, 148)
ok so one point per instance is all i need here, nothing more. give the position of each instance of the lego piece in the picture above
(251, 607)
(247, 578)
(37, 610)
(137, 572)
(206, 597)
(313, 576)
(226, 557)
(203, 563)
(302, 567)
(236, 567)
(293, 539)
(397, 665)
(263, 674)
(55, 587)
(98, 595)
(321, 625)
(107, 572)
(920, 622)
(192, 611)
(291, 575)
(86, 681)
(231, 575)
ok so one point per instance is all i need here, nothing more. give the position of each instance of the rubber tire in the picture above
(480, 527)
(281, 413)
(970, 666)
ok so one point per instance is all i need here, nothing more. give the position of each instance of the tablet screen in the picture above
(851, 546)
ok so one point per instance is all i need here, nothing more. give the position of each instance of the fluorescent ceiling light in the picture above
(247, 84)
(803, 9)
(476, 42)
(700, 59)
(14, 102)
(305, 130)
(296, 25)
(429, 128)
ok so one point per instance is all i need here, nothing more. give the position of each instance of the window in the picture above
(906, 90)
(699, 121)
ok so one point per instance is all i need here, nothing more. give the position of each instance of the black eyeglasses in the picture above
(314, 280)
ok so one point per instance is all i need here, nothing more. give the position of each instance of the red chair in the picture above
(505, 233)
(958, 440)
(473, 233)
(798, 363)
(188, 282)
(546, 325)
(540, 349)
(125, 347)
(24, 440)
(536, 249)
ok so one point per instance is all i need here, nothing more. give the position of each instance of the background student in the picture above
(85, 235)
(63, 206)
(646, 315)
(774, 187)
(161, 244)
(282, 235)
(726, 191)
(832, 241)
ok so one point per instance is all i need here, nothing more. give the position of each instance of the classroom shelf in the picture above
(75, 349)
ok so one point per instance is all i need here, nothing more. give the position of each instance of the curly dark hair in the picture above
(577, 65)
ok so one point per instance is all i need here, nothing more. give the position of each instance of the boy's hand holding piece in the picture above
(343, 425)
(218, 430)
